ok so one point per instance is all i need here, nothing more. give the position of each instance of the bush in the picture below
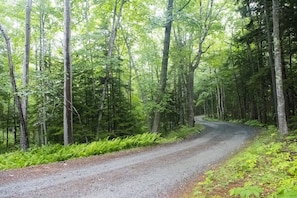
(52, 153)
(254, 123)
(57, 152)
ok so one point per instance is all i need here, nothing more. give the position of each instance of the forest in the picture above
(81, 70)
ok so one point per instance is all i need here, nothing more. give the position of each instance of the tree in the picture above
(133, 64)
(281, 112)
(42, 130)
(250, 87)
(24, 131)
(163, 77)
(207, 18)
(18, 100)
(115, 25)
(270, 51)
(68, 108)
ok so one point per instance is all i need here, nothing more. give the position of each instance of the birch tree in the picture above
(18, 99)
(281, 112)
(24, 131)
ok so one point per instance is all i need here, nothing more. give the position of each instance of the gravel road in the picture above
(150, 172)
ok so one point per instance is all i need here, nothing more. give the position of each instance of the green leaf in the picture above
(246, 191)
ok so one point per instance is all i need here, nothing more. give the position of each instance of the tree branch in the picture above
(183, 7)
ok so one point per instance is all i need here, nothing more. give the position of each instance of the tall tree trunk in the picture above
(43, 125)
(207, 23)
(18, 100)
(24, 131)
(180, 78)
(7, 123)
(190, 94)
(163, 77)
(281, 112)
(68, 108)
(220, 100)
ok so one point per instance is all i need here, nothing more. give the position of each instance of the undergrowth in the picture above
(266, 168)
(7, 146)
(57, 152)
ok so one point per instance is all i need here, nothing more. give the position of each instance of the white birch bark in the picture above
(281, 112)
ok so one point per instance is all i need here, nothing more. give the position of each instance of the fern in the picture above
(56, 152)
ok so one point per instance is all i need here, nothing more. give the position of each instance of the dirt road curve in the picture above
(151, 172)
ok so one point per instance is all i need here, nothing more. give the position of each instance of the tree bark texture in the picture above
(68, 108)
(43, 125)
(24, 142)
(163, 77)
(18, 100)
(190, 93)
(281, 112)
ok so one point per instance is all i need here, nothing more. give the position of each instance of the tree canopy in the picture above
(217, 59)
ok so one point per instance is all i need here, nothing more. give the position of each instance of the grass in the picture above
(57, 152)
(182, 133)
(266, 168)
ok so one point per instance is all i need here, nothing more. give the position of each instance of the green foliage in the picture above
(236, 121)
(255, 123)
(266, 168)
(210, 119)
(246, 191)
(288, 189)
(3, 141)
(57, 152)
(293, 123)
(208, 179)
(248, 162)
(183, 132)
(237, 66)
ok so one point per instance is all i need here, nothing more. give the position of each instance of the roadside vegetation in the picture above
(57, 152)
(267, 167)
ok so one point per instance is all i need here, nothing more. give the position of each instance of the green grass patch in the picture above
(57, 152)
(266, 168)
(255, 123)
(182, 133)
(210, 119)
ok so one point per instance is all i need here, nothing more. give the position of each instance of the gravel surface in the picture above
(150, 172)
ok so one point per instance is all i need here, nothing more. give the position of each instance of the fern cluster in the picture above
(57, 152)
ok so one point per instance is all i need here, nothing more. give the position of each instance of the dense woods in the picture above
(112, 68)
(244, 84)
